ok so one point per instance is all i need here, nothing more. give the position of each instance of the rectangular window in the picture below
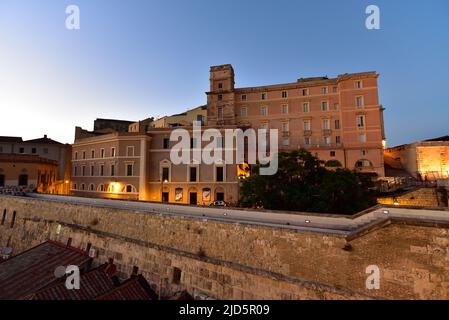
(306, 107)
(336, 106)
(337, 139)
(305, 92)
(129, 170)
(101, 153)
(220, 113)
(359, 101)
(285, 141)
(307, 141)
(324, 106)
(21, 150)
(112, 170)
(219, 174)
(33, 150)
(83, 171)
(334, 89)
(337, 124)
(361, 121)
(76, 155)
(332, 153)
(130, 151)
(165, 174)
(84, 154)
(285, 109)
(193, 143)
(243, 97)
(263, 111)
(325, 124)
(102, 170)
(92, 154)
(324, 90)
(285, 127)
(112, 152)
(358, 84)
(244, 111)
(220, 85)
(193, 177)
(75, 169)
(284, 94)
(166, 143)
(306, 125)
(220, 142)
(92, 169)
(263, 96)
(327, 140)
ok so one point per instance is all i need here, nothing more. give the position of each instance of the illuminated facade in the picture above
(339, 120)
(427, 160)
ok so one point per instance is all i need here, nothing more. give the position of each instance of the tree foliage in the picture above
(302, 183)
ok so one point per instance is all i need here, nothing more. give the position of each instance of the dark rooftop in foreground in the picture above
(34, 269)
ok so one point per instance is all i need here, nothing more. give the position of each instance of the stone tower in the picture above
(220, 98)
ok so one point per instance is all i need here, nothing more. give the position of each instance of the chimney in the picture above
(135, 271)
(45, 136)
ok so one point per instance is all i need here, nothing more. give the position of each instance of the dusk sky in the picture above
(135, 59)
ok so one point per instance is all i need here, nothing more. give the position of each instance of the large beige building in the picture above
(339, 120)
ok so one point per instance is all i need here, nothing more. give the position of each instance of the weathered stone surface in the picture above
(241, 261)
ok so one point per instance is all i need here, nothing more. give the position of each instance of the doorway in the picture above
(165, 197)
(193, 198)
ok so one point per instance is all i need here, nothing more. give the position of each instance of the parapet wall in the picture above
(235, 261)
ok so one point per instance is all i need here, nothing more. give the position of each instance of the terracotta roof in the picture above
(25, 158)
(10, 139)
(44, 140)
(92, 284)
(33, 270)
(135, 288)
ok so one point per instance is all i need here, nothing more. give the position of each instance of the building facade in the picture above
(28, 172)
(44, 148)
(424, 160)
(112, 165)
(340, 120)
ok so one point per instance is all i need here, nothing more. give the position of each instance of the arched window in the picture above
(333, 164)
(130, 188)
(91, 187)
(83, 187)
(101, 188)
(363, 163)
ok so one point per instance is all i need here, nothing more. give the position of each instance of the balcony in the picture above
(307, 133)
(327, 132)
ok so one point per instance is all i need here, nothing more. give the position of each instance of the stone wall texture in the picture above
(241, 261)
(421, 197)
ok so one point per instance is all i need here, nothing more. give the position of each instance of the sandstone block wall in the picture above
(234, 261)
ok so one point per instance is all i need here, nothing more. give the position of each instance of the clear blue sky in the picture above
(135, 59)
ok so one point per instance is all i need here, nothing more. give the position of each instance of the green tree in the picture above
(302, 183)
